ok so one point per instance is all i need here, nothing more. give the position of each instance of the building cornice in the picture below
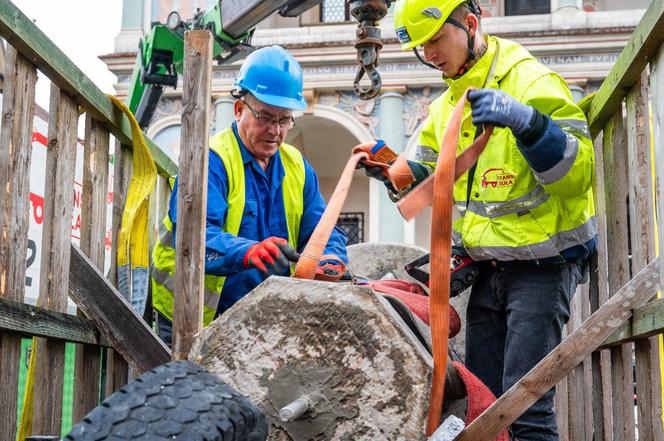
(580, 46)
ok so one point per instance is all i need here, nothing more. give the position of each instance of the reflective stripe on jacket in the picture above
(225, 145)
(516, 212)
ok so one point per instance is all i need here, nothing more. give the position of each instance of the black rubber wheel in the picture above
(176, 401)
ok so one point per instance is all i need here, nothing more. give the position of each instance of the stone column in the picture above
(393, 132)
(223, 113)
(132, 26)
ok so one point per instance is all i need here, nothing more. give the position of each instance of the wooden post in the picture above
(93, 228)
(192, 192)
(657, 93)
(18, 110)
(577, 419)
(642, 228)
(598, 295)
(616, 187)
(561, 403)
(56, 239)
(117, 369)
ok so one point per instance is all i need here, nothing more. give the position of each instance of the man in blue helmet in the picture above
(263, 198)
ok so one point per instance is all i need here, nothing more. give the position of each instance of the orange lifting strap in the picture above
(436, 190)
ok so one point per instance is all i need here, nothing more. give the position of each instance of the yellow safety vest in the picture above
(225, 145)
(514, 213)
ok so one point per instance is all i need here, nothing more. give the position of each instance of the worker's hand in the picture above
(376, 172)
(271, 256)
(497, 108)
(420, 173)
(331, 268)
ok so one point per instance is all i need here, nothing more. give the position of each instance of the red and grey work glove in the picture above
(271, 256)
(330, 269)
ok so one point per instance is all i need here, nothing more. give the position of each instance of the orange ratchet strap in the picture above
(309, 258)
(394, 166)
(448, 170)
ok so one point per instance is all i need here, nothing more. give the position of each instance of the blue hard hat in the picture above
(273, 76)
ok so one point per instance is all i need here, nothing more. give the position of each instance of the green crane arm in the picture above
(161, 52)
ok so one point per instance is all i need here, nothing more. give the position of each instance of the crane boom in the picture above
(232, 22)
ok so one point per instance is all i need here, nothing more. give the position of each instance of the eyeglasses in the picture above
(284, 123)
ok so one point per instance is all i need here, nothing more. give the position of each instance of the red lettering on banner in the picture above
(36, 136)
(77, 223)
(108, 239)
(77, 198)
(37, 208)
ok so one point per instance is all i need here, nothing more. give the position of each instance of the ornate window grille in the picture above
(353, 226)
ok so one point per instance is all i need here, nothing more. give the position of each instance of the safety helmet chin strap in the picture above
(475, 9)
(422, 60)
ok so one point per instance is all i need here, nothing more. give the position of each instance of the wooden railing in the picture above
(597, 400)
(62, 272)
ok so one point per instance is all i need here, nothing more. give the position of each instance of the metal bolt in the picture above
(299, 407)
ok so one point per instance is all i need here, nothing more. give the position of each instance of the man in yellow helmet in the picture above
(526, 209)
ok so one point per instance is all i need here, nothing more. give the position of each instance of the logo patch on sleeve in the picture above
(498, 178)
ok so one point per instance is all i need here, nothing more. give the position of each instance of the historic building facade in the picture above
(580, 39)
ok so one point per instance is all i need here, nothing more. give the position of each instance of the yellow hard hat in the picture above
(416, 21)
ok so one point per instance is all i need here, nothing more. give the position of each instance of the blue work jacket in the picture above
(264, 216)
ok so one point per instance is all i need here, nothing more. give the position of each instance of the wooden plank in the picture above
(598, 295)
(56, 237)
(657, 93)
(561, 403)
(117, 369)
(87, 370)
(643, 248)
(33, 44)
(113, 315)
(27, 320)
(617, 241)
(192, 192)
(576, 412)
(587, 371)
(646, 321)
(18, 108)
(95, 191)
(641, 47)
(122, 170)
(657, 96)
(572, 351)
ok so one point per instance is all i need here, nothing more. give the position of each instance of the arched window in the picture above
(168, 139)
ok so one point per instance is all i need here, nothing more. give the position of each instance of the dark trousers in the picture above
(164, 329)
(515, 317)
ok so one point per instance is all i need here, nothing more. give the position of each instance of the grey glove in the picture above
(497, 108)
